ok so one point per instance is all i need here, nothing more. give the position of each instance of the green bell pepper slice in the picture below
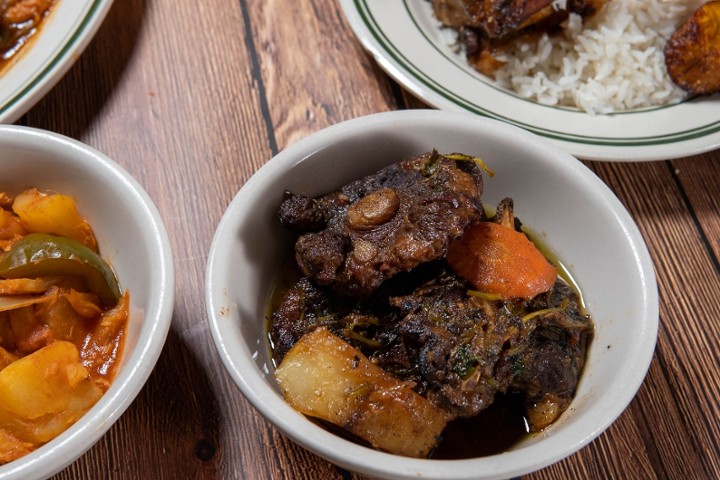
(40, 254)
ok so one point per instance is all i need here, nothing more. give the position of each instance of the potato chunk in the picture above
(45, 392)
(55, 214)
(325, 377)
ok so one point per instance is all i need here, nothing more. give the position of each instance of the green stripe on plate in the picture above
(419, 75)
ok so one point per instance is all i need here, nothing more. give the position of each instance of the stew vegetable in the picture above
(62, 320)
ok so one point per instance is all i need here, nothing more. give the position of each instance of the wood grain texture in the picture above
(333, 80)
(193, 97)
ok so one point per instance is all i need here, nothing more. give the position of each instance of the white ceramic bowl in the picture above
(131, 237)
(557, 196)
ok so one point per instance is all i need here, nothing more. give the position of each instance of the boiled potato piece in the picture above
(323, 376)
(45, 392)
(54, 213)
(692, 54)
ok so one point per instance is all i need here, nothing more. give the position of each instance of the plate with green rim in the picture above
(63, 36)
(406, 40)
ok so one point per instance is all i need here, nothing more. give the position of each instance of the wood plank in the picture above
(168, 98)
(699, 177)
(334, 80)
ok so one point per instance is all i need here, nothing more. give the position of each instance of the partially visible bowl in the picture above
(572, 210)
(132, 238)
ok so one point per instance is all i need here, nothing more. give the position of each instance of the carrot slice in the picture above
(500, 260)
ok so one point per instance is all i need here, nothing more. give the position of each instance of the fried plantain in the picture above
(692, 55)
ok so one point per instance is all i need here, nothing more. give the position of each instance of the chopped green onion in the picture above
(540, 313)
(478, 161)
(484, 295)
(363, 339)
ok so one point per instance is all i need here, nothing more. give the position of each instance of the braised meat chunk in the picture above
(373, 228)
(462, 349)
(547, 371)
(369, 324)
(499, 19)
(485, 25)
(456, 344)
(459, 348)
(306, 307)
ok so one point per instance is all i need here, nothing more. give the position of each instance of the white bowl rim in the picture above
(374, 463)
(81, 436)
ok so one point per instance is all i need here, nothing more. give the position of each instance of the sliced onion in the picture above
(12, 302)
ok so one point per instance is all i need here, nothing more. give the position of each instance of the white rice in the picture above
(612, 63)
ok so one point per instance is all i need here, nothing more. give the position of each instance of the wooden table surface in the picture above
(193, 97)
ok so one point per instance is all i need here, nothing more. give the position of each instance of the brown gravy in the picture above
(494, 430)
